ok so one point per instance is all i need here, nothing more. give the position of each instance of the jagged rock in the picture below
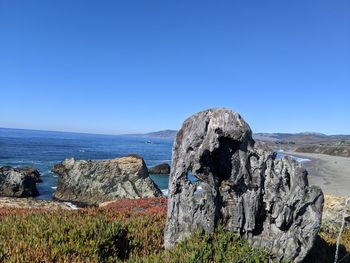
(18, 182)
(264, 199)
(94, 182)
(163, 168)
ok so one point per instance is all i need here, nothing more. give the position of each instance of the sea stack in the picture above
(246, 188)
(93, 182)
(162, 168)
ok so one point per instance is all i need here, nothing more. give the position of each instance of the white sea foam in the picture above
(26, 161)
(54, 187)
(300, 160)
(199, 190)
(73, 206)
(165, 192)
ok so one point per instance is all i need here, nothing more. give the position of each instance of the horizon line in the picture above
(145, 133)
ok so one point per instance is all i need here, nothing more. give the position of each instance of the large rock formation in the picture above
(264, 199)
(94, 182)
(18, 182)
(162, 168)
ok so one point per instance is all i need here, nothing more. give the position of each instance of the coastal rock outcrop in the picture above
(94, 182)
(18, 182)
(163, 168)
(246, 188)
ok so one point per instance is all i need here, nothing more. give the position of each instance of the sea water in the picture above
(42, 150)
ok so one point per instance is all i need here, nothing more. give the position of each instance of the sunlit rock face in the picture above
(94, 182)
(241, 185)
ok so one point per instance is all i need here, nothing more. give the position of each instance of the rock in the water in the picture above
(244, 187)
(94, 182)
(18, 182)
(163, 168)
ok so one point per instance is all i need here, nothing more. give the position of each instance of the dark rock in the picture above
(264, 199)
(33, 173)
(18, 182)
(94, 182)
(163, 168)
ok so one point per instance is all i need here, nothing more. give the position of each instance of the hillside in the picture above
(308, 142)
(166, 134)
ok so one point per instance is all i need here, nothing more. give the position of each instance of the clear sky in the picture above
(138, 66)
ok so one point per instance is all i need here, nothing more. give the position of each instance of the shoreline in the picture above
(330, 173)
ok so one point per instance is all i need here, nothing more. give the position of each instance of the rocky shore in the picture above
(241, 186)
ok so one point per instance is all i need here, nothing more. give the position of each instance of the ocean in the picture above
(43, 149)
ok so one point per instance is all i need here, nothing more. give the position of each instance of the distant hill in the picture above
(299, 138)
(167, 134)
(308, 142)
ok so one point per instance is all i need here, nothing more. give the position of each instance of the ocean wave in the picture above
(165, 192)
(54, 187)
(26, 161)
(300, 160)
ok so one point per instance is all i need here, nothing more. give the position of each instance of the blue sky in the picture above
(137, 66)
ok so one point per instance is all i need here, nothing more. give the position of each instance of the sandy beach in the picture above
(331, 173)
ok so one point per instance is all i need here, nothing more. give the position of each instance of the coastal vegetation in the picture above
(125, 230)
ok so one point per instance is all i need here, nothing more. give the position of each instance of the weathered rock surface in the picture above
(264, 199)
(94, 182)
(163, 168)
(18, 182)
